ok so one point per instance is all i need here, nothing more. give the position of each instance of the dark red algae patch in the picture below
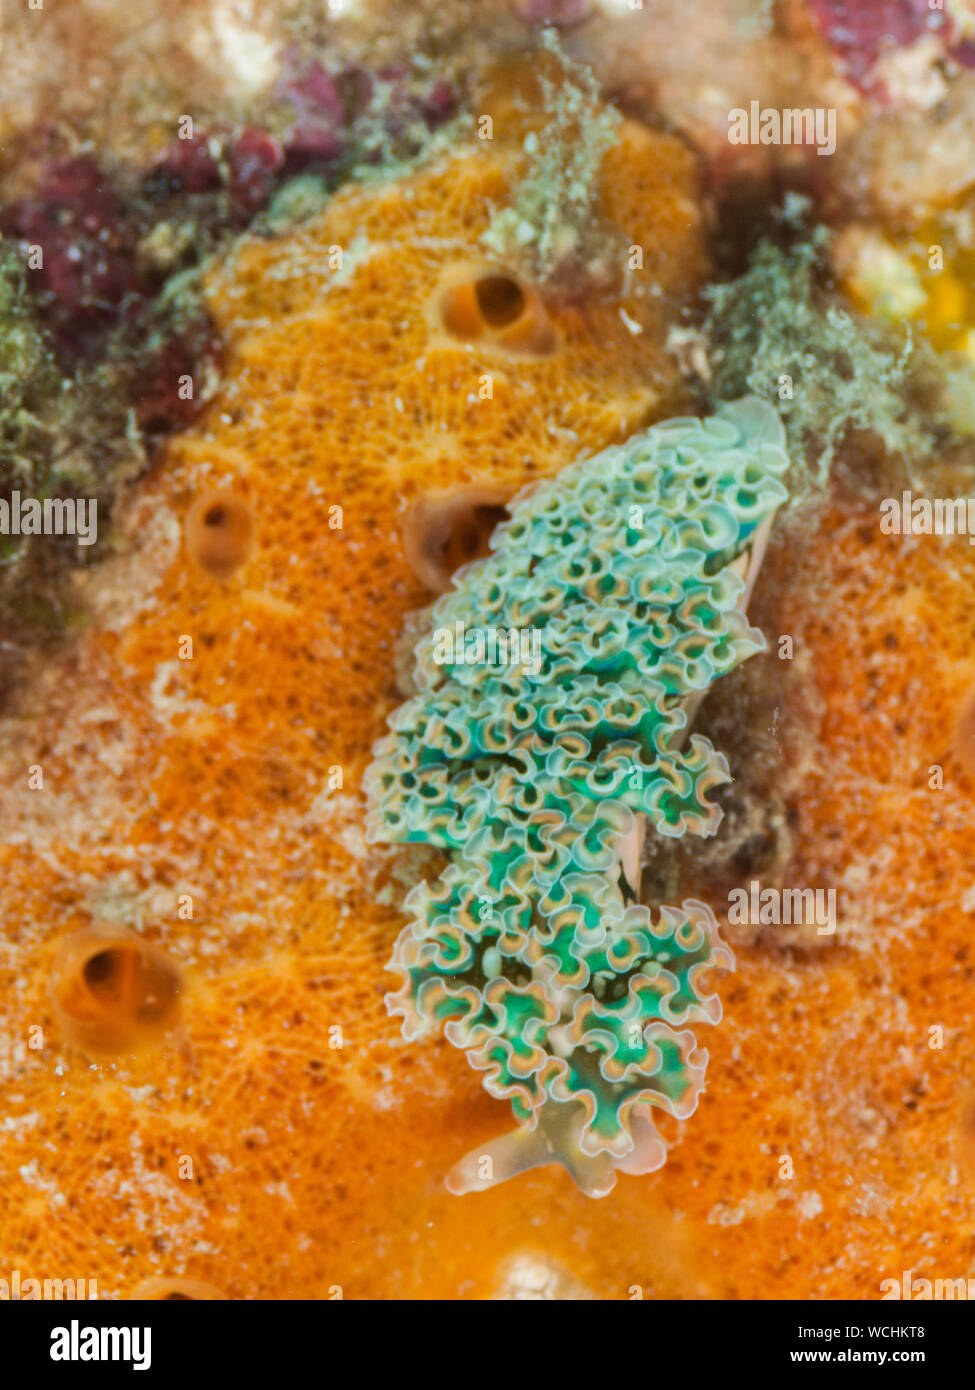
(100, 272)
(80, 252)
(861, 31)
(102, 354)
(102, 246)
(332, 121)
(242, 166)
(256, 159)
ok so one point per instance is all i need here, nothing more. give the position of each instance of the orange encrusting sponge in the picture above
(202, 748)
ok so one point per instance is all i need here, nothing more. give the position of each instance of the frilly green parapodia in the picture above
(532, 771)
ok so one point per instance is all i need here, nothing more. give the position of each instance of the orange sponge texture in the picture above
(200, 751)
(191, 770)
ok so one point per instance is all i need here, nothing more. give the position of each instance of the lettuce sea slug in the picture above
(556, 684)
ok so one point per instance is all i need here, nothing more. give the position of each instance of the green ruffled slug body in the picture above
(555, 686)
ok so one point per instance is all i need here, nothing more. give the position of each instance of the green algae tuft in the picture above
(775, 332)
